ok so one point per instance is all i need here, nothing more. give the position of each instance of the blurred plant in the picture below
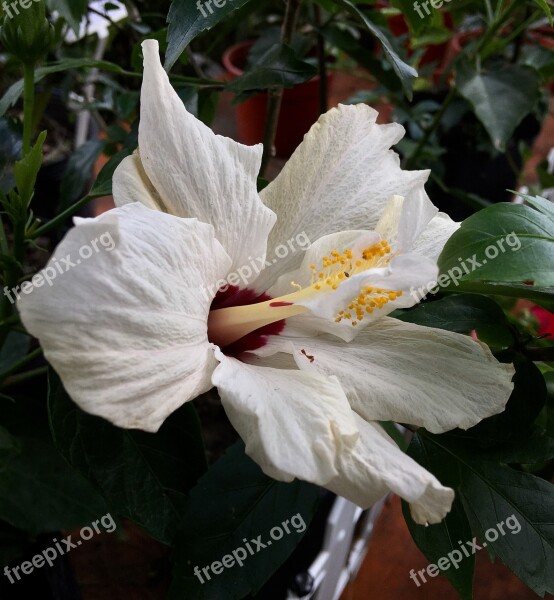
(485, 71)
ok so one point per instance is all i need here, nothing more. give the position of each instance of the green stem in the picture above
(20, 377)
(493, 30)
(322, 64)
(275, 95)
(431, 129)
(21, 363)
(28, 106)
(59, 219)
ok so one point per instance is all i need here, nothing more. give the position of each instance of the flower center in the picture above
(227, 325)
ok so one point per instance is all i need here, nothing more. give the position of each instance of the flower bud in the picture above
(25, 31)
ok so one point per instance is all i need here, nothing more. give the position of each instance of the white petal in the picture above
(376, 466)
(200, 174)
(404, 273)
(340, 178)
(131, 184)
(396, 371)
(403, 222)
(432, 240)
(126, 329)
(292, 422)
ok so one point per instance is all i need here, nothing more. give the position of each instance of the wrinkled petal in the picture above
(195, 172)
(396, 371)
(131, 184)
(376, 466)
(340, 178)
(403, 222)
(126, 329)
(433, 239)
(291, 422)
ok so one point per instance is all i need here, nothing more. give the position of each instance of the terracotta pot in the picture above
(299, 111)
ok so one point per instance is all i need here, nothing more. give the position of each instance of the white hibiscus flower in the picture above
(305, 359)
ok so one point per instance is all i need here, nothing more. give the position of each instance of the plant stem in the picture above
(275, 95)
(431, 129)
(28, 106)
(20, 377)
(322, 64)
(59, 219)
(21, 363)
(493, 30)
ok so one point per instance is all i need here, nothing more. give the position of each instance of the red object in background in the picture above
(545, 319)
(299, 111)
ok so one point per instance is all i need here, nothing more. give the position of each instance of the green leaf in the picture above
(515, 507)
(279, 67)
(26, 170)
(40, 492)
(535, 447)
(103, 184)
(142, 476)
(344, 40)
(405, 72)
(500, 98)
(492, 494)
(502, 243)
(186, 20)
(14, 349)
(78, 172)
(235, 501)
(15, 90)
(524, 406)
(544, 5)
(71, 10)
(544, 296)
(463, 313)
(437, 541)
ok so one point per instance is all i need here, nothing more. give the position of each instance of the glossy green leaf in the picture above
(463, 313)
(40, 492)
(279, 67)
(505, 242)
(510, 512)
(187, 19)
(142, 476)
(405, 72)
(437, 541)
(524, 406)
(234, 501)
(501, 97)
(535, 447)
